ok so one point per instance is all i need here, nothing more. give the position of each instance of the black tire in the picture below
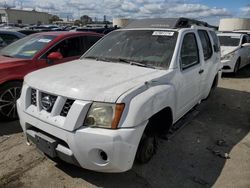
(146, 149)
(9, 93)
(237, 66)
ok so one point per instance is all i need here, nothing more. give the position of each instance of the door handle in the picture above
(201, 71)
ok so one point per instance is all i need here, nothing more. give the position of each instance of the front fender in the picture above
(145, 102)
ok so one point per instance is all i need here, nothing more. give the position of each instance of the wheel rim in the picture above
(8, 102)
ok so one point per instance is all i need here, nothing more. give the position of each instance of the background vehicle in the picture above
(235, 51)
(108, 108)
(35, 52)
(7, 37)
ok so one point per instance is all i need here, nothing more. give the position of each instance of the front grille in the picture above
(47, 101)
(33, 97)
(66, 107)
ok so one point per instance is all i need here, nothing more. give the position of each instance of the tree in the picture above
(78, 23)
(54, 18)
(85, 19)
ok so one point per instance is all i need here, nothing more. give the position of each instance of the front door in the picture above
(188, 80)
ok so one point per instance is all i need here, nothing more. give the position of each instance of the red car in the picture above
(32, 53)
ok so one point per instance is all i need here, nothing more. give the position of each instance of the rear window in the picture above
(229, 40)
(216, 41)
(206, 44)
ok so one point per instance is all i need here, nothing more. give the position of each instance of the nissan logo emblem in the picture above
(47, 103)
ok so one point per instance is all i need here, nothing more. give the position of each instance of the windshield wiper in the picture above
(135, 63)
(98, 58)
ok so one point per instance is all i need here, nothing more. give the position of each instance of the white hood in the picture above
(91, 80)
(228, 49)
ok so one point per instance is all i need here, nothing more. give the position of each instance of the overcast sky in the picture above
(207, 10)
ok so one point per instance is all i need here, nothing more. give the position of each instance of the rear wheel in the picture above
(237, 66)
(9, 93)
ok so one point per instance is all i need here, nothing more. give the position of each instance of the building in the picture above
(233, 24)
(15, 16)
(121, 22)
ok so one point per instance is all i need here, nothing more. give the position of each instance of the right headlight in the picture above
(104, 115)
(228, 56)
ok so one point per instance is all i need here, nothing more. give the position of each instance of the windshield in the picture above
(229, 40)
(141, 47)
(27, 47)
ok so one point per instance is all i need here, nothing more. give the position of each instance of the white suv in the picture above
(235, 51)
(106, 109)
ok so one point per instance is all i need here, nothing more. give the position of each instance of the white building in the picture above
(232, 24)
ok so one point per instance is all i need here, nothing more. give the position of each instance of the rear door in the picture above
(209, 59)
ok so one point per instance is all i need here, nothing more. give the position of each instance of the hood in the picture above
(91, 80)
(9, 62)
(228, 49)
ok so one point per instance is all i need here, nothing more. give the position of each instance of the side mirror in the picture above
(55, 56)
(245, 45)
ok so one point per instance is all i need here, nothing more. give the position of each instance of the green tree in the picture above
(54, 18)
(78, 23)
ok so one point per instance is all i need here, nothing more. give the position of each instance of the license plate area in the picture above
(46, 144)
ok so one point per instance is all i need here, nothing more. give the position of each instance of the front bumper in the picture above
(228, 65)
(85, 146)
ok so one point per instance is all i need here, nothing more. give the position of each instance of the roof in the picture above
(20, 10)
(166, 23)
(67, 33)
(230, 34)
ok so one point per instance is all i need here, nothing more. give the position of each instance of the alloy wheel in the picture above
(8, 102)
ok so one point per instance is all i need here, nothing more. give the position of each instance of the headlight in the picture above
(228, 56)
(104, 115)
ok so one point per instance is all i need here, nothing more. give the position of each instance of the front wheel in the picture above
(146, 149)
(237, 66)
(9, 93)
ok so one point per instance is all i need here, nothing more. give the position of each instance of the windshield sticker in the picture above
(31, 52)
(44, 40)
(163, 33)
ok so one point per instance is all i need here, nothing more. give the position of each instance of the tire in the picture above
(9, 93)
(146, 149)
(237, 66)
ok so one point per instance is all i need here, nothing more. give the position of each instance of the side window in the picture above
(189, 51)
(248, 38)
(8, 38)
(68, 48)
(206, 44)
(216, 41)
(244, 39)
(90, 41)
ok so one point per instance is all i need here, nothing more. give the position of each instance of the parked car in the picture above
(235, 51)
(102, 30)
(35, 52)
(108, 108)
(7, 37)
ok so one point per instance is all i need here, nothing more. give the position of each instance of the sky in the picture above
(207, 10)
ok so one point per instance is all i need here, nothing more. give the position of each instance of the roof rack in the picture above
(170, 23)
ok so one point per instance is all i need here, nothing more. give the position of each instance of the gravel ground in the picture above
(211, 150)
